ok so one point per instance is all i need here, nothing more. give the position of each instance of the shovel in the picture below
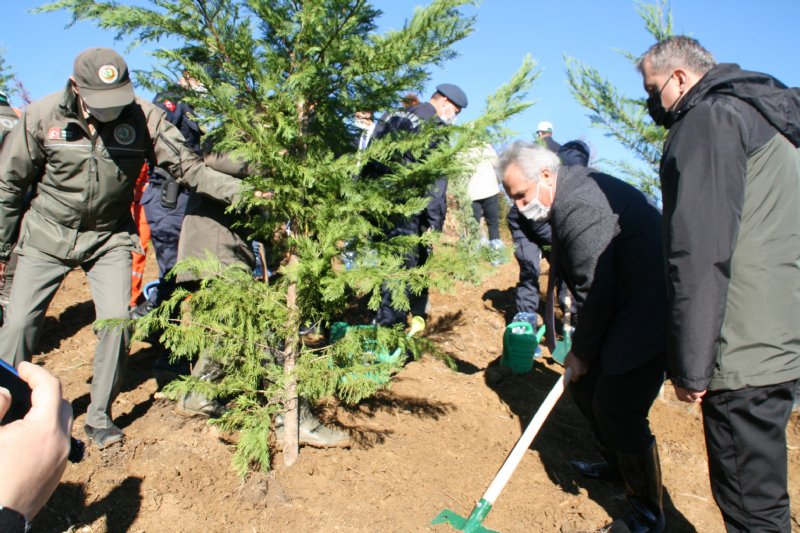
(474, 523)
(564, 346)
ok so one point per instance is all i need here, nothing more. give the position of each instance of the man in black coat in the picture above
(442, 108)
(730, 182)
(164, 217)
(530, 237)
(606, 239)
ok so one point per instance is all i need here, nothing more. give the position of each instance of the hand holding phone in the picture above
(33, 449)
(21, 404)
(20, 393)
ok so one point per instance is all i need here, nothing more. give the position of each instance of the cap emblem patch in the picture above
(108, 74)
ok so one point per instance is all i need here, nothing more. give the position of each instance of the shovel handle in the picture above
(524, 442)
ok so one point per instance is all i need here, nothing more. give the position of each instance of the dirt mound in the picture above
(434, 440)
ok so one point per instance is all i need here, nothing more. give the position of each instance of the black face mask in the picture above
(660, 115)
(658, 112)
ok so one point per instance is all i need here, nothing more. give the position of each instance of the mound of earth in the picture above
(434, 441)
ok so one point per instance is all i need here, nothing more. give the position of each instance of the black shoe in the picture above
(599, 470)
(104, 437)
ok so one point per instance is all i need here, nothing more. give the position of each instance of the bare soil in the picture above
(434, 441)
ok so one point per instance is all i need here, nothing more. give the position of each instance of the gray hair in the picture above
(675, 52)
(531, 159)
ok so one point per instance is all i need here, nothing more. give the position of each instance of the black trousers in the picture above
(745, 433)
(387, 314)
(489, 208)
(617, 406)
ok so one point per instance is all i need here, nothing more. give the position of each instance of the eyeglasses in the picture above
(662, 87)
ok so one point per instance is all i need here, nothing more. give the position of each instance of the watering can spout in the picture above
(540, 334)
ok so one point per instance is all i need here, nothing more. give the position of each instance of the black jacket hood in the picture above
(778, 104)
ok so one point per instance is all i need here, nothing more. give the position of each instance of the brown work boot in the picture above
(195, 404)
(313, 432)
(104, 437)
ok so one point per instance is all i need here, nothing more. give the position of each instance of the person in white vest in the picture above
(484, 192)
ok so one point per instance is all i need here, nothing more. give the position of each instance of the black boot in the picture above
(642, 475)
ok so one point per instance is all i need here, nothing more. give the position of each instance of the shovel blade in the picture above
(561, 351)
(562, 348)
(459, 522)
(473, 524)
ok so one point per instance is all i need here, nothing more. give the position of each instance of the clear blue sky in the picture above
(758, 35)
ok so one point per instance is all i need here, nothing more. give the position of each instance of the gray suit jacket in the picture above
(608, 240)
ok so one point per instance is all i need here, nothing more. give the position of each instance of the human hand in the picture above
(34, 450)
(578, 366)
(688, 395)
(267, 195)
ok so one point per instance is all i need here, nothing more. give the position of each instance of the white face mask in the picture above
(446, 115)
(450, 121)
(535, 210)
(108, 114)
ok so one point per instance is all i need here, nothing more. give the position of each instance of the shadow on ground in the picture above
(68, 509)
(140, 369)
(386, 403)
(69, 322)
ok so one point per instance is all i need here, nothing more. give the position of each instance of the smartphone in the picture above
(21, 404)
(20, 393)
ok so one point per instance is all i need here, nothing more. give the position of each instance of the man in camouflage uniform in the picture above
(83, 149)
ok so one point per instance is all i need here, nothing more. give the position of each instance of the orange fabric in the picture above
(138, 260)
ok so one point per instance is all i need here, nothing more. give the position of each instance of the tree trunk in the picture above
(291, 417)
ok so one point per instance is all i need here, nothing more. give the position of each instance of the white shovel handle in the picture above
(524, 442)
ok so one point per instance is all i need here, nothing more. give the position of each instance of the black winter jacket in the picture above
(607, 237)
(409, 120)
(730, 177)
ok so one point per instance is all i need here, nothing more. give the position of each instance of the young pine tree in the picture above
(7, 77)
(282, 80)
(625, 118)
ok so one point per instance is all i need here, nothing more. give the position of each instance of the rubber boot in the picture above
(312, 431)
(642, 475)
(196, 404)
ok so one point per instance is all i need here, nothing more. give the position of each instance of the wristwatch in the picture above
(12, 522)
